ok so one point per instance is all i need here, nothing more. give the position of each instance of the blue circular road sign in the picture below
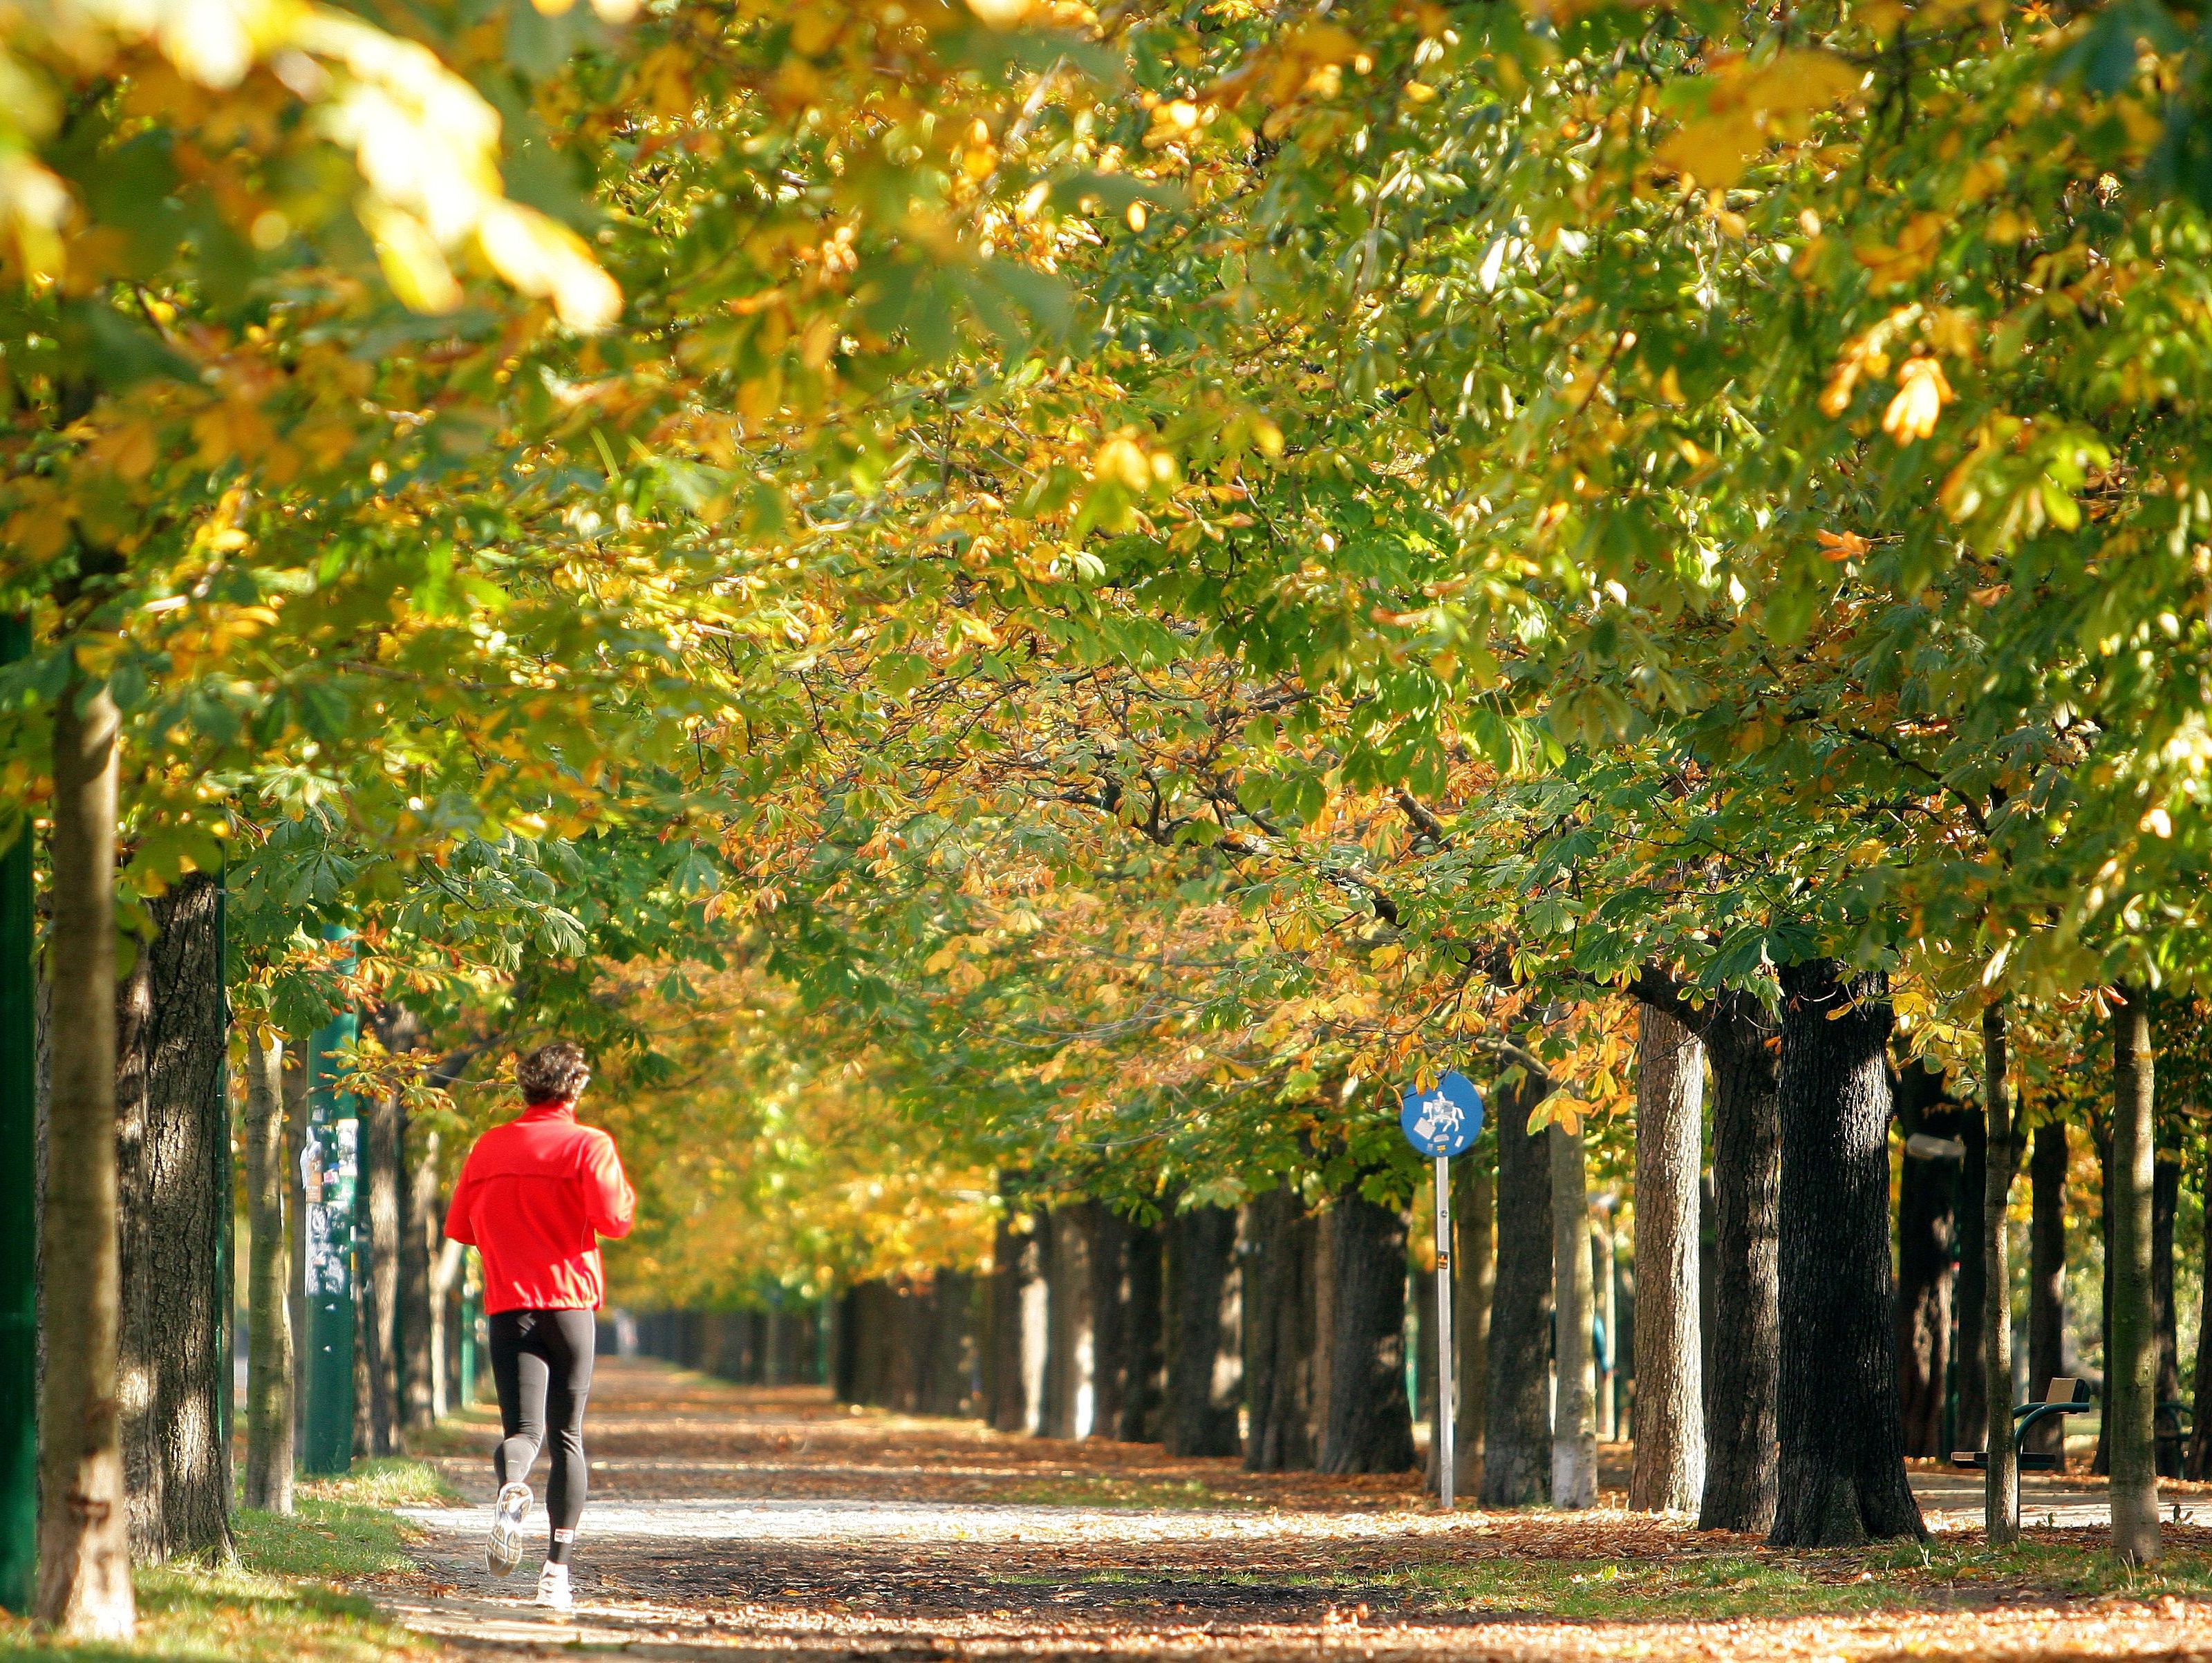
(1444, 1119)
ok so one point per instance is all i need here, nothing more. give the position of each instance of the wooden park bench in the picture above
(2066, 1397)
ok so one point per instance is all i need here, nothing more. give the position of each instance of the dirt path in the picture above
(731, 1523)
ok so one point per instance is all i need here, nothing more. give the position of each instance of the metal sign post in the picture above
(1447, 1409)
(1442, 1122)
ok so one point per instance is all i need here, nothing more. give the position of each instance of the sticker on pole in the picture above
(1443, 1121)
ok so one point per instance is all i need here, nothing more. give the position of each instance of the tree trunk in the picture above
(1743, 1376)
(953, 1361)
(2046, 1279)
(1574, 1429)
(1738, 1275)
(1475, 1284)
(268, 1381)
(1204, 1373)
(1668, 1470)
(1144, 1411)
(1071, 1355)
(383, 1201)
(1605, 1276)
(1971, 1285)
(1516, 1457)
(420, 1237)
(2164, 1202)
(2001, 1494)
(2200, 1435)
(172, 1169)
(1842, 1477)
(1278, 1332)
(1106, 1241)
(1014, 1255)
(1927, 1202)
(1322, 1365)
(2101, 1135)
(1371, 1425)
(2131, 1364)
(84, 1546)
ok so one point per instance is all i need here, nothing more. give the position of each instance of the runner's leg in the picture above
(518, 1368)
(571, 1337)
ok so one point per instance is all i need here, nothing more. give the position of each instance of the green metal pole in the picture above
(18, 1205)
(332, 1163)
(470, 1300)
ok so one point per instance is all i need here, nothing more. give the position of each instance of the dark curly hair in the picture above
(552, 1072)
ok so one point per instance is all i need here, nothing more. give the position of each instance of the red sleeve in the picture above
(460, 1225)
(609, 1201)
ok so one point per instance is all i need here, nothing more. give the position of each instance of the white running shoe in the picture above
(553, 1587)
(503, 1552)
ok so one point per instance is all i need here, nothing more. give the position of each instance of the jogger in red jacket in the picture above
(533, 1198)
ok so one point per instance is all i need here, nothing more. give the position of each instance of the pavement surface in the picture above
(730, 1522)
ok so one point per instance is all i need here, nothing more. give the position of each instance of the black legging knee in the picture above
(542, 1363)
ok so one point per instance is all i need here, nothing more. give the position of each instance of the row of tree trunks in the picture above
(776, 1346)
(915, 1347)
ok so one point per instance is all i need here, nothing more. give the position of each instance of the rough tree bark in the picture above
(1143, 1395)
(1278, 1332)
(269, 1379)
(2164, 1203)
(1926, 1230)
(1014, 1266)
(2200, 1435)
(1371, 1426)
(1742, 1043)
(1842, 1476)
(1106, 1241)
(1668, 1472)
(1574, 1425)
(1516, 1457)
(1473, 1285)
(1204, 1372)
(420, 1235)
(2001, 1493)
(172, 1165)
(1971, 1287)
(2046, 1278)
(84, 1547)
(2131, 1364)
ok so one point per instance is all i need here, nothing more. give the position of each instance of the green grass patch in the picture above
(1702, 1587)
(1724, 1585)
(281, 1601)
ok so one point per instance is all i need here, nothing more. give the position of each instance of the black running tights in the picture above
(541, 1362)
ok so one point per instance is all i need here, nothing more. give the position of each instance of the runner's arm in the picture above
(608, 1198)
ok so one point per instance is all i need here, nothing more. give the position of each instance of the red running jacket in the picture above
(532, 1197)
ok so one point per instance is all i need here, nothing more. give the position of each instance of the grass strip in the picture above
(285, 1599)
